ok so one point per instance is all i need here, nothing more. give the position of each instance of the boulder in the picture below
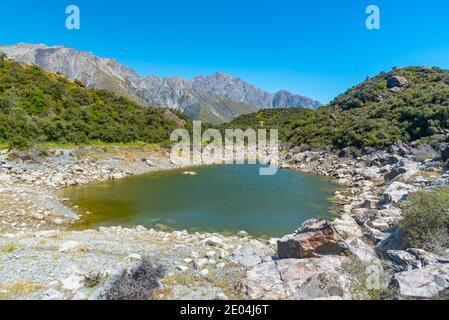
(346, 227)
(361, 251)
(315, 238)
(72, 246)
(397, 82)
(363, 215)
(426, 283)
(252, 254)
(303, 279)
(395, 172)
(370, 204)
(396, 192)
(428, 258)
(394, 241)
(400, 260)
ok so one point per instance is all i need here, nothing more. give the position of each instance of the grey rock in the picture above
(397, 82)
(361, 251)
(252, 254)
(397, 191)
(394, 241)
(428, 258)
(426, 283)
(302, 279)
(402, 260)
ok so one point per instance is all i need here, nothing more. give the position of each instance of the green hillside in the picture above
(37, 106)
(376, 113)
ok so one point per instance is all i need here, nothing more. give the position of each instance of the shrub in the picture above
(137, 283)
(426, 220)
(19, 143)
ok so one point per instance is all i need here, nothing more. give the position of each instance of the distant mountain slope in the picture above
(407, 104)
(218, 98)
(38, 106)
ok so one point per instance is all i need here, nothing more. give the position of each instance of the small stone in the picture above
(52, 294)
(73, 282)
(190, 173)
(182, 268)
(200, 263)
(134, 256)
(214, 241)
(211, 254)
(221, 296)
(72, 246)
(38, 216)
(203, 273)
(58, 221)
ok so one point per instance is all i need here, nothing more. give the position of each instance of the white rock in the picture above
(52, 294)
(72, 246)
(200, 263)
(189, 173)
(182, 268)
(203, 273)
(214, 241)
(221, 296)
(211, 254)
(134, 256)
(73, 282)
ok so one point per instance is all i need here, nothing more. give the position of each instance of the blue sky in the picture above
(317, 48)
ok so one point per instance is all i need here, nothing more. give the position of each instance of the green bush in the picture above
(19, 143)
(426, 220)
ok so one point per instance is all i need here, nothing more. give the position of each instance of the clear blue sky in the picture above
(317, 48)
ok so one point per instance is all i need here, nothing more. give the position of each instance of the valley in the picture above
(384, 143)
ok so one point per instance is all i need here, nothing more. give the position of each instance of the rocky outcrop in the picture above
(285, 99)
(395, 83)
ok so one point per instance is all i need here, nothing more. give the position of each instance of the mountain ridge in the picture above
(217, 98)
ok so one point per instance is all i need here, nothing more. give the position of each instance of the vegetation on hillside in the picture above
(368, 115)
(37, 107)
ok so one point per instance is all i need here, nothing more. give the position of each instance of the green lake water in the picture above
(225, 199)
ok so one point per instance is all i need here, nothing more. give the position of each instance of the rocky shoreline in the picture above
(40, 259)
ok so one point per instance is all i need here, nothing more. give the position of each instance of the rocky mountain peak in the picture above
(217, 98)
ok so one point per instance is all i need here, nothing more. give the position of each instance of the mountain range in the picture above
(216, 99)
